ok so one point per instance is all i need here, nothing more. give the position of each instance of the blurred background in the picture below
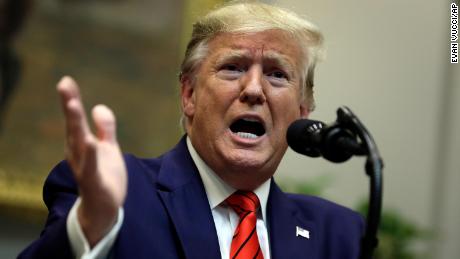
(388, 61)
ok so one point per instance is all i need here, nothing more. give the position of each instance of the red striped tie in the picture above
(245, 243)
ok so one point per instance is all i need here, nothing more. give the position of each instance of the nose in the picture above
(252, 87)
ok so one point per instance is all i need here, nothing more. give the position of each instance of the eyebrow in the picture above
(280, 60)
(232, 55)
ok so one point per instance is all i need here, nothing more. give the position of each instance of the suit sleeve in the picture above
(59, 195)
(79, 243)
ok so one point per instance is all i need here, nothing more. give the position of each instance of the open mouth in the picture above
(248, 128)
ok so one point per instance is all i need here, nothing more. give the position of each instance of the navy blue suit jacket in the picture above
(167, 215)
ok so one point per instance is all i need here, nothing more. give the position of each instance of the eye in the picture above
(231, 67)
(278, 74)
(277, 77)
(230, 71)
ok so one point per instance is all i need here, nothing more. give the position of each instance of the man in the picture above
(247, 74)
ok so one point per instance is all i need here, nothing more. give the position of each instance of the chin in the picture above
(246, 169)
(247, 160)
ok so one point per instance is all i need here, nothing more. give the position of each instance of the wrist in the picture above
(96, 220)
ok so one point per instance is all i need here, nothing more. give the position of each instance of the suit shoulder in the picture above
(137, 166)
(319, 208)
(146, 163)
(61, 178)
(62, 175)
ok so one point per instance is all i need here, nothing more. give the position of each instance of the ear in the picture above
(187, 96)
(304, 110)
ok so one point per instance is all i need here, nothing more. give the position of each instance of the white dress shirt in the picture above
(225, 219)
(80, 244)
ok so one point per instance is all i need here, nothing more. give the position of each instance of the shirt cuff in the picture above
(78, 241)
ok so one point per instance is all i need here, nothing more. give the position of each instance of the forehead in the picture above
(270, 44)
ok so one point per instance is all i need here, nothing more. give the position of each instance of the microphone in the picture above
(314, 138)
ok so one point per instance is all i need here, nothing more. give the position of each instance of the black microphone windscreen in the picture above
(300, 136)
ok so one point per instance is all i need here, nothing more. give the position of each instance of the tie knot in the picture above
(243, 202)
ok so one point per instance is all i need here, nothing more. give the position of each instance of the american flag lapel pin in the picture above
(302, 232)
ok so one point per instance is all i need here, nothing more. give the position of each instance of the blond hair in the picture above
(251, 17)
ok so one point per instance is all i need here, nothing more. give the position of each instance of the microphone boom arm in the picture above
(374, 170)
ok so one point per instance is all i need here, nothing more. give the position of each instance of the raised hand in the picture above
(96, 162)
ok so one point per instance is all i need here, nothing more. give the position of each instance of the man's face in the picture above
(244, 96)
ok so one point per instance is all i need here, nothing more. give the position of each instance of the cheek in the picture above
(286, 105)
(220, 95)
(211, 105)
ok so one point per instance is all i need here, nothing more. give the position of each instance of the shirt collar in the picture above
(217, 190)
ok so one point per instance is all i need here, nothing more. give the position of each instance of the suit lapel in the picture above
(284, 222)
(183, 194)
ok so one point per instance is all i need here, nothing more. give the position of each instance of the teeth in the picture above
(250, 119)
(246, 135)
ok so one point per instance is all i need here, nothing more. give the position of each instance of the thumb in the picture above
(105, 123)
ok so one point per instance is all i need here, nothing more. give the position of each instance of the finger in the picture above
(67, 89)
(88, 165)
(105, 123)
(76, 131)
(76, 122)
